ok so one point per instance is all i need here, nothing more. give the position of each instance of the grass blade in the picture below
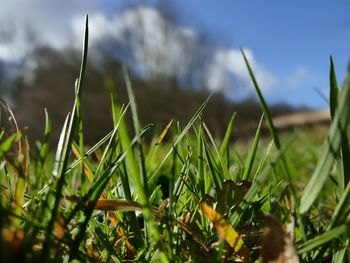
(334, 90)
(263, 103)
(226, 140)
(219, 158)
(136, 122)
(330, 150)
(163, 133)
(270, 125)
(250, 161)
(44, 146)
(137, 180)
(324, 238)
(217, 179)
(7, 144)
(179, 138)
(342, 209)
(260, 180)
(343, 176)
(62, 163)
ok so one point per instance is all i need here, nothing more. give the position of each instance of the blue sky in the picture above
(288, 42)
(285, 36)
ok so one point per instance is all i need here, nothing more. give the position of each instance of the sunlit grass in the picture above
(182, 196)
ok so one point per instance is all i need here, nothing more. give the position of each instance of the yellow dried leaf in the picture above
(226, 232)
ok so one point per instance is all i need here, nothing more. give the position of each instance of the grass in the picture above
(184, 196)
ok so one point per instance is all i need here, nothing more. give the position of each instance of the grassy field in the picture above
(183, 196)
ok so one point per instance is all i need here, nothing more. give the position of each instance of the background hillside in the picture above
(158, 101)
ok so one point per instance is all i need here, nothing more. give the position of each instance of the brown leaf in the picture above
(231, 195)
(13, 238)
(120, 205)
(59, 227)
(277, 246)
(109, 205)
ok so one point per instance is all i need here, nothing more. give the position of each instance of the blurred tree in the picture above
(167, 63)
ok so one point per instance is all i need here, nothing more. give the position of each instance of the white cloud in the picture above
(49, 19)
(157, 46)
(163, 48)
(14, 46)
(229, 66)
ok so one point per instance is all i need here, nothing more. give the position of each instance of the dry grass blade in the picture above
(189, 231)
(23, 159)
(277, 246)
(226, 232)
(110, 205)
(120, 205)
(89, 174)
(121, 234)
(164, 132)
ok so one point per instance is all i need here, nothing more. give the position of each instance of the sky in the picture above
(287, 42)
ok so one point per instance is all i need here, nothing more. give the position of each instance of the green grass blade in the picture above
(263, 103)
(60, 150)
(92, 196)
(263, 160)
(220, 159)
(334, 90)
(45, 145)
(101, 142)
(133, 105)
(78, 89)
(330, 150)
(345, 156)
(200, 162)
(62, 163)
(324, 238)
(287, 169)
(217, 179)
(94, 193)
(342, 209)
(136, 178)
(266, 172)
(344, 160)
(136, 122)
(260, 180)
(226, 140)
(7, 144)
(179, 138)
(112, 138)
(100, 181)
(339, 257)
(250, 161)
